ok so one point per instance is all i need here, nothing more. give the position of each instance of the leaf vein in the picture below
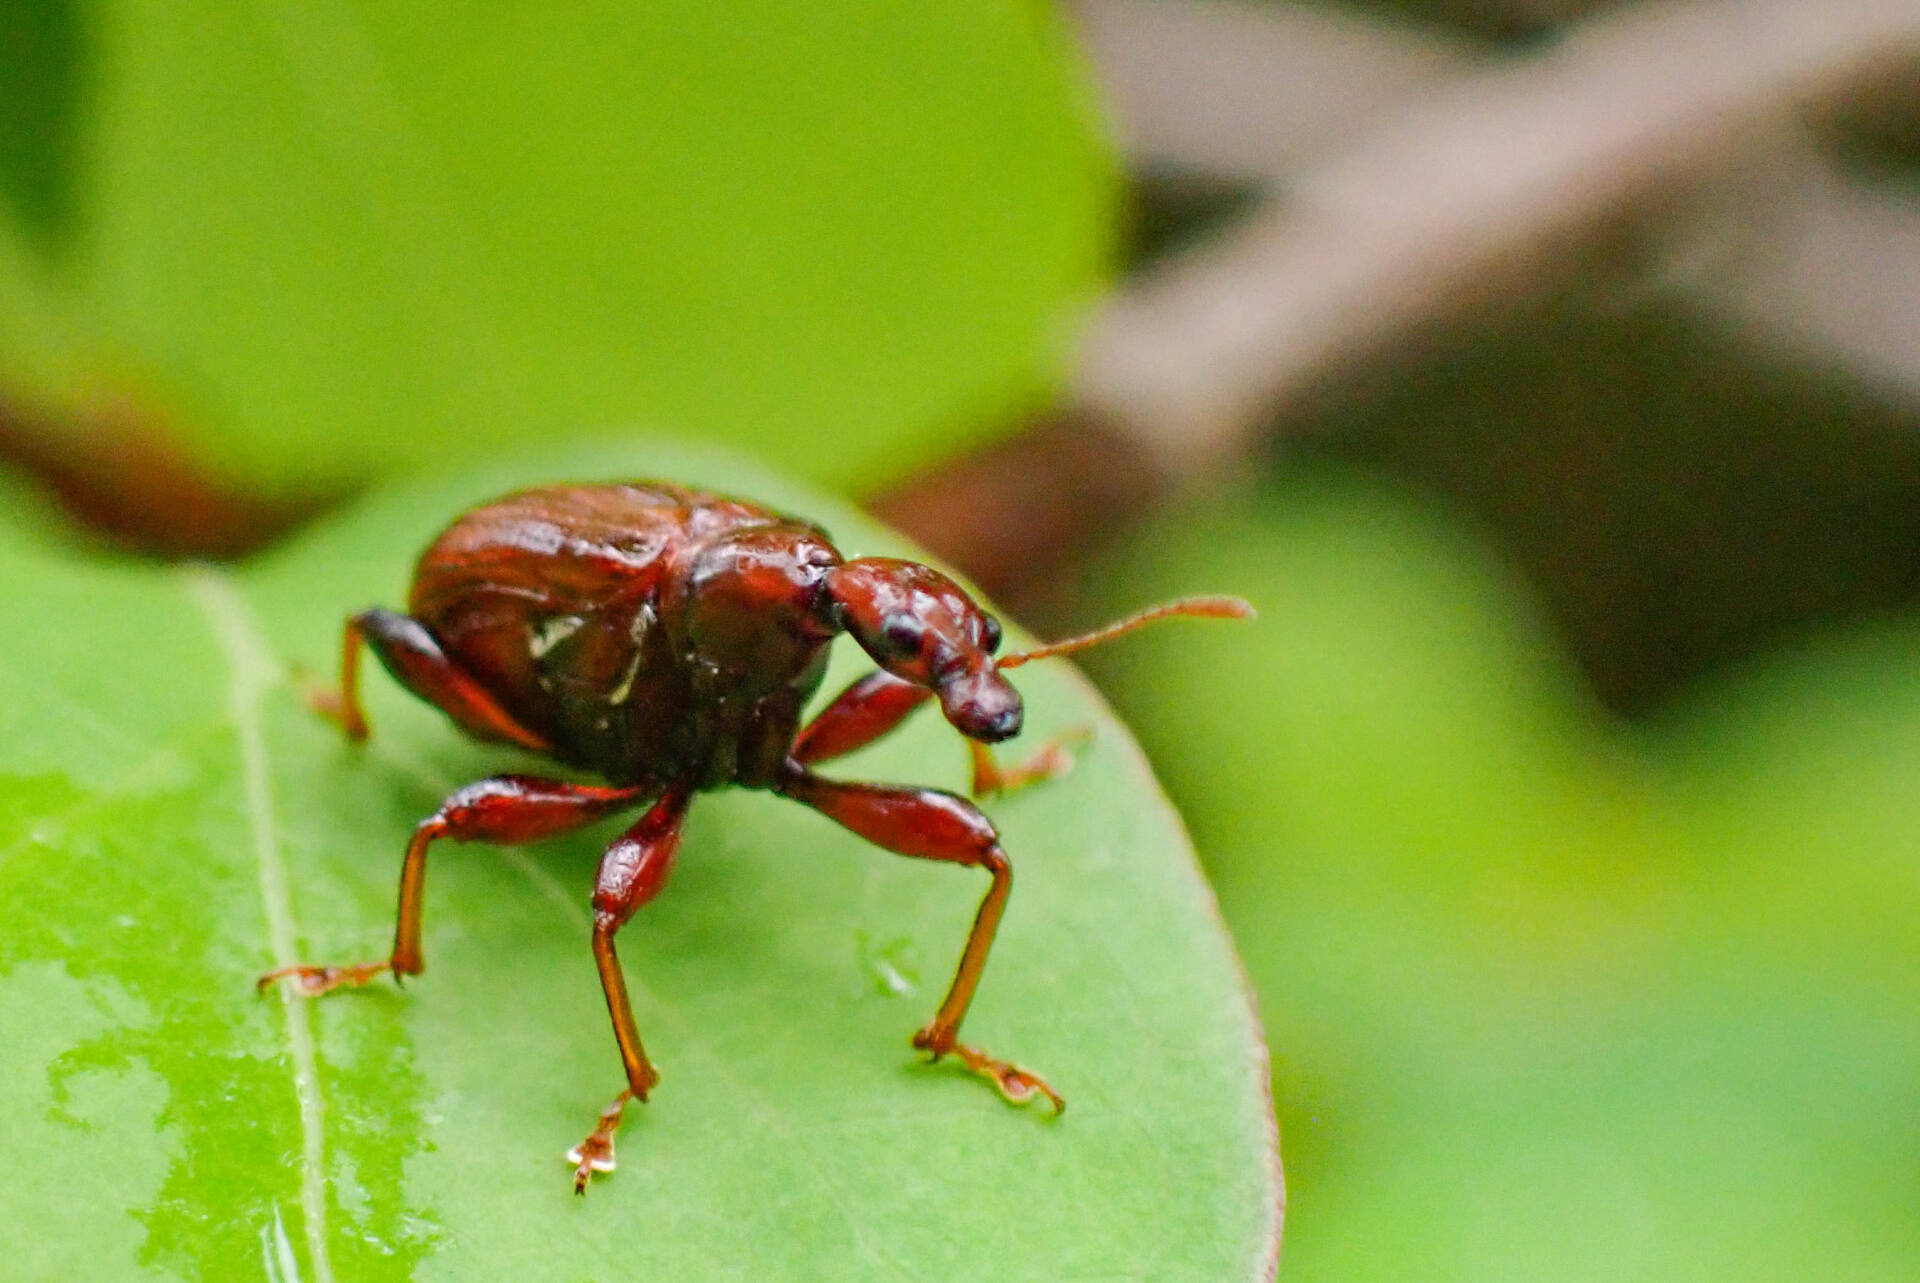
(253, 672)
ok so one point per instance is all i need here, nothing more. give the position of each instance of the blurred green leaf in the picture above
(42, 57)
(1547, 999)
(166, 797)
(322, 241)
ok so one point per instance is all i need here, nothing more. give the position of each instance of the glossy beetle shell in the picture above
(648, 631)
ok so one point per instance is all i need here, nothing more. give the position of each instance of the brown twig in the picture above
(123, 475)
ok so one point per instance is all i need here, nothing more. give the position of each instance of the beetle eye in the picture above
(900, 636)
(990, 633)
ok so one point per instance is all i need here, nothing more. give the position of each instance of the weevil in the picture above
(667, 640)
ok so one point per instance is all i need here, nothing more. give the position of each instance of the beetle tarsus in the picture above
(1050, 760)
(312, 981)
(1019, 1086)
(595, 1153)
(329, 703)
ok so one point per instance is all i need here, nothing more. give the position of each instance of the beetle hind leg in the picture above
(411, 653)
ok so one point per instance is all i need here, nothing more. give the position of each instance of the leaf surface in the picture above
(175, 822)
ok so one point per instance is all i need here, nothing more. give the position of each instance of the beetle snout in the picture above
(982, 705)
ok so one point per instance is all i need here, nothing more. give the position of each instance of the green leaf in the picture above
(323, 241)
(1547, 999)
(41, 57)
(175, 822)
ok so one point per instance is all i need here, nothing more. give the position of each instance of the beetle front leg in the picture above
(503, 810)
(858, 715)
(879, 702)
(412, 655)
(631, 873)
(930, 824)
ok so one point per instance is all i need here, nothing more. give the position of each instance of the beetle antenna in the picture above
(1190, 607)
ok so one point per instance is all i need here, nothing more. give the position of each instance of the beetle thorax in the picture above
(744, 613)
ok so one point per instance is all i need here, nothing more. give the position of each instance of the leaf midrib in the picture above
(251, 674)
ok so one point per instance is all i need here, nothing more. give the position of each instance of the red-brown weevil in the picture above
(667, 640)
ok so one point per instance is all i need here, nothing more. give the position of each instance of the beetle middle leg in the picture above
(930, 824)
(504, 809)
(879, 702)
(413, 656)
(631, 873)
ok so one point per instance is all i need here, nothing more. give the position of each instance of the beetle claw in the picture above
(312, 981)
(595, 1153)
(1018, 1086)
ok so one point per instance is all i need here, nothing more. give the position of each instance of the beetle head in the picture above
(918, 625)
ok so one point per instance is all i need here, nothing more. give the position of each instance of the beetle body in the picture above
(667, 640)
(648, 633)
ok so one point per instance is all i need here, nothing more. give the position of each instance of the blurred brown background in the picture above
(1635, 287)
